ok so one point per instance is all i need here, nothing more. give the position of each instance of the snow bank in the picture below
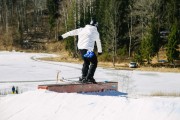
(45, 105)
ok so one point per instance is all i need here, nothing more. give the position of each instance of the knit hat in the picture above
(94, 22)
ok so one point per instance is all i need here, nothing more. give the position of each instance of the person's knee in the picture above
(94, 64)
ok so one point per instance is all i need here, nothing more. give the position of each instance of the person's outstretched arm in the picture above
(70, 33)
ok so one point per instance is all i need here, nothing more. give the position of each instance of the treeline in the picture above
(135, 29)
(22, 21)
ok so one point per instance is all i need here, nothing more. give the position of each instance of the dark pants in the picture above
(89, 65)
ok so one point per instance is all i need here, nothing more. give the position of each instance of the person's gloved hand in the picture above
(99, 53)
(60, 38)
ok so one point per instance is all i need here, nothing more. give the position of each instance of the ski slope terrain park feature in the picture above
(141, 95)
(78, 87)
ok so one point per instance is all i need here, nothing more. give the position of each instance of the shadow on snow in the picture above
(106, 93)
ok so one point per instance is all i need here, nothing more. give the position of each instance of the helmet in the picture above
(94, 22)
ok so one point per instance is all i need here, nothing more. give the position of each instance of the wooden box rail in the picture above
(79, 88)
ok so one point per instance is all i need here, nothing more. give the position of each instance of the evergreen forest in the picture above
(129, 29)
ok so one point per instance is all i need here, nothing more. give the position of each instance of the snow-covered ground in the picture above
(131, 102)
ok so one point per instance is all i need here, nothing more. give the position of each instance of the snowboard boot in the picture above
(89, 80)
(81, 79)
(92, 80)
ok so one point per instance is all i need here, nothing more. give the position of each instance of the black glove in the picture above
(60, 38)
(99, 53)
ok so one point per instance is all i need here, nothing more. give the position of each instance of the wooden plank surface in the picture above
(79, 87)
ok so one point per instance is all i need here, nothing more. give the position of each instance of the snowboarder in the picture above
(87, 36)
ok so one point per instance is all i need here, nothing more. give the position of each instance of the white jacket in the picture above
(87, 37)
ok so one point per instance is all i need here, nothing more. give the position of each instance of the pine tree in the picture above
(52, 8)
(172, 46)
(155, 37)
(150, 43)
(146, 47)
(69, 43)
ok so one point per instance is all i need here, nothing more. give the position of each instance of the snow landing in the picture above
(45, 105)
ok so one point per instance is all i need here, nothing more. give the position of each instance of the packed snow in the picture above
(132, 101)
